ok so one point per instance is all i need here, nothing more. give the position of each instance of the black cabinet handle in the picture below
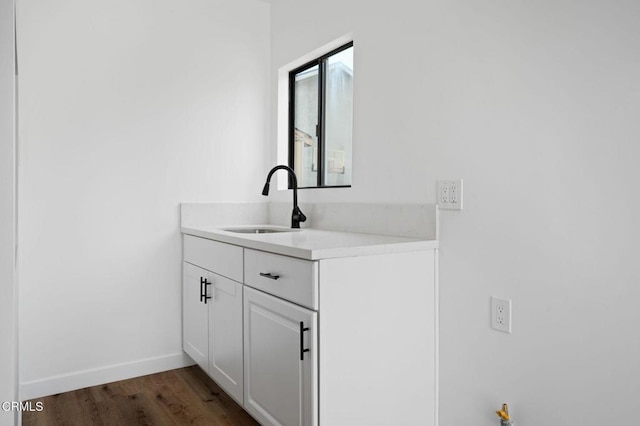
(302, 330)
(269, 275)
(203, 290)
(206, 283)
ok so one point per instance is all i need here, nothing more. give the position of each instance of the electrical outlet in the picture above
(444, 194)
(450, 194)
(501, 314)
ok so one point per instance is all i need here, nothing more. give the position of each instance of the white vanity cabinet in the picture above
(332, 333)
(212, 311)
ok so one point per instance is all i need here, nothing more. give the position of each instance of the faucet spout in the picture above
(296, 215)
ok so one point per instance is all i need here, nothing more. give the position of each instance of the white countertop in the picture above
(312, 244)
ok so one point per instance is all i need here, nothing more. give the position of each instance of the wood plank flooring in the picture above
(176, 397)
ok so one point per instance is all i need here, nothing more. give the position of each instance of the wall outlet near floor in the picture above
(450, 194)
(501, 314)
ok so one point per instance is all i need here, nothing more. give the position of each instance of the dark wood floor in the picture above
(176, 397)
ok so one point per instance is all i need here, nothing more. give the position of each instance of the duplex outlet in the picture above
(501, 314)
(450, 194)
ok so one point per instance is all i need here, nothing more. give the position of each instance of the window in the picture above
(320, 120)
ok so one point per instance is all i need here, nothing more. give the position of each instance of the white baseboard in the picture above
(97, 376)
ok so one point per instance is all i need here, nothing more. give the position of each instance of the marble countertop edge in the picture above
(312, 244)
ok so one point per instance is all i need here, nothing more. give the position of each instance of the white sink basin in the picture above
(259, 230)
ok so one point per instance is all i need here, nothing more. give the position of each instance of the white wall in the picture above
(127, 108)
(8, 312)
(535, 105)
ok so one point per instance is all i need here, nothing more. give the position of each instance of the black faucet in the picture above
(296, 215)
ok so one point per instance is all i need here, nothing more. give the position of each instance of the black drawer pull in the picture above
(302, 330)
(269, 275)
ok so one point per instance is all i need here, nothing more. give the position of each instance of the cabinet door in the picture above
(225, 335)
(280, 388)
(195, 338)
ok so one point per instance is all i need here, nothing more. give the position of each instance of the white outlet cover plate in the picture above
(449, 194)
(501, 314)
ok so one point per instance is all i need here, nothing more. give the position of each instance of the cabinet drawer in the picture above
(292, 279)
(223, 259)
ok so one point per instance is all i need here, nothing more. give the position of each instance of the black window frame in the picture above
(321, 62)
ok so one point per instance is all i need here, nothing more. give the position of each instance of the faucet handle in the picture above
(296, 217)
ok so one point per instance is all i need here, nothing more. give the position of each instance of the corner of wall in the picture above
(8, 194)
